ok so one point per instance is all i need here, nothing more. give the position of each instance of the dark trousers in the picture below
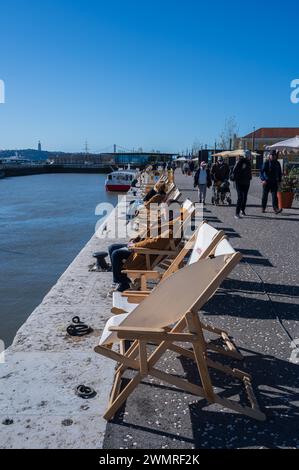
(266, 189)
(242, 190)
(118, 254)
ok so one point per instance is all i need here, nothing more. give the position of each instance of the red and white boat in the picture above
(120, 180)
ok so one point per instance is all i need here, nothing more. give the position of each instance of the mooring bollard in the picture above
(101, 261)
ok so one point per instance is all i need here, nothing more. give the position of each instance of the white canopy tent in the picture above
(286, 146)
(233, 153)
(180, 159)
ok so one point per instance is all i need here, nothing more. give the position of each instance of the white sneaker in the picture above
(237, 217)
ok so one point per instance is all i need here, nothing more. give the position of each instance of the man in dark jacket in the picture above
(242, 176)
(271, 176)
(220, 171)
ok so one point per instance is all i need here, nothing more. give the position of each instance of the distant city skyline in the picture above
(153, 74)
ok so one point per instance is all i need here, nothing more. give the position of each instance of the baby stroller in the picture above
(221, 193)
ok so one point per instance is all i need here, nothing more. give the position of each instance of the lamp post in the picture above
(253, 140)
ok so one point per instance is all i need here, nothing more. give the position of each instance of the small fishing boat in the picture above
(120, 180)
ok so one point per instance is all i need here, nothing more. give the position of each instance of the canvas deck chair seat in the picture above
(202, 243)
(170, 322)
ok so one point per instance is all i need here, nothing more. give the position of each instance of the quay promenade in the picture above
(258, 305)
(260, 293)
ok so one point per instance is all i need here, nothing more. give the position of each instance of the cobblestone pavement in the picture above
(258, 305)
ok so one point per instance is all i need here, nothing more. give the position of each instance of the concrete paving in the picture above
(258, 305)
(44, 365)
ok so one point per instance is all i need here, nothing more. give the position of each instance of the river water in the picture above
(45, 220)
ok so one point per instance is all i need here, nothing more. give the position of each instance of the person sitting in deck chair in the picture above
(157, 197)
(120, 253)
(160, 187)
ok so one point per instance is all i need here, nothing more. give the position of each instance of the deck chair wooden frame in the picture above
(172, 194)
(144, 276)
(172, 249)
(146, 186)
(188, 330)
(136, 297)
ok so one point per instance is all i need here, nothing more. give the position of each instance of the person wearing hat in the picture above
(242, 175)
(271, 176)
(202, 180)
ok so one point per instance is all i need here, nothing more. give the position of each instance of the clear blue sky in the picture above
(152, 73)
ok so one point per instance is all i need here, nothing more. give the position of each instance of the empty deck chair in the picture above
(165, 319)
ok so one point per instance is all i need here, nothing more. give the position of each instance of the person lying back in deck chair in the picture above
(161, 236)
(160, 187)
(136, 254)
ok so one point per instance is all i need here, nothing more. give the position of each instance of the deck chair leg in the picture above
(231, 348)
(122, 396)
(199, 350)
(118, 376)
(131, 353)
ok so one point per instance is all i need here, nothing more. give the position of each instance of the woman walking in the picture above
(202, 180)
(242, 175)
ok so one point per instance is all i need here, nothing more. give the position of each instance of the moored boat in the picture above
(120, 180)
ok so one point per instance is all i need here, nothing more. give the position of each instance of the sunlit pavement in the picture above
(258, 305)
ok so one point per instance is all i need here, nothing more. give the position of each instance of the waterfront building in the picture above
(124, 158)
(265, 136)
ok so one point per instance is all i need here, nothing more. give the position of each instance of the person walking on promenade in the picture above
(220, 171)
(202, 180)
(271, 176)
(186, 168)
(191, 167)
(242, 175)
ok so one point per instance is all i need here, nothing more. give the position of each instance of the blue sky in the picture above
(154, 74)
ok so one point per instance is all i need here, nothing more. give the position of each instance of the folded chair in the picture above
(165, 319)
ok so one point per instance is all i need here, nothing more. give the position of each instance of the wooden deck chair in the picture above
(215, 243)
(150, 181)
(187, 210)
(126, 302)
(173, 246)
(142, 212)
(202, 244)
(165, 319)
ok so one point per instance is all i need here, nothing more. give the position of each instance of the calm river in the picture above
(45, 220)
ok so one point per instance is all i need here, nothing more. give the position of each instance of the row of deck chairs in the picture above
(136, 195)
(167, 317)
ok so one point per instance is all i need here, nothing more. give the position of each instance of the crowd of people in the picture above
(241, 176)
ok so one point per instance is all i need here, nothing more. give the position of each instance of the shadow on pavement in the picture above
(275, 379)
(235, 305)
